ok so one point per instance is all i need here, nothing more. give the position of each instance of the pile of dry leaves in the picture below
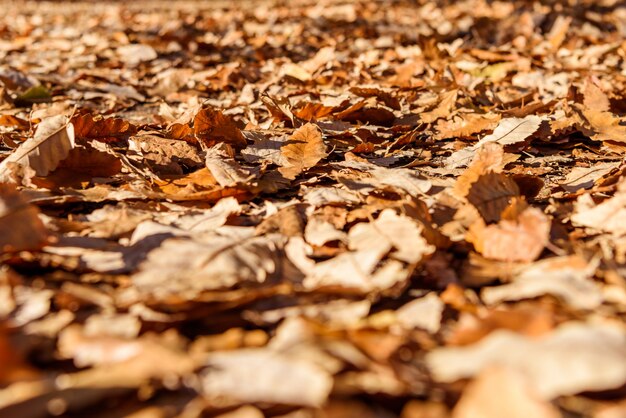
(330, 208)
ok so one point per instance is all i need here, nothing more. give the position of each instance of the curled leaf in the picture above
(52, 142)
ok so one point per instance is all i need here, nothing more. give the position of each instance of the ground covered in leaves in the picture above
(333, 209)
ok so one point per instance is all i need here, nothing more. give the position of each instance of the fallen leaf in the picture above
(303, 150)
(53, 140)
(491, 193)
(278, 378)
(20, 226)
(211, 126)
(499, 392)
(569, 278)
(522, 239)
(576, 357)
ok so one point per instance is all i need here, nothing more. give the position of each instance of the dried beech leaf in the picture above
(211, 126)
(53, 140)
(585, 177)
(607, 216)
(513, 130)
(279, 378)
(522, 239)
(576, 357)
(224, 169)
(391, 230)
(304, 149)
(489, 157)
(20, 226)
(491, 193)
(568, 278)
(101, 129)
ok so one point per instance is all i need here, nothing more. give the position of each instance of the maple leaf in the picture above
(304, 149)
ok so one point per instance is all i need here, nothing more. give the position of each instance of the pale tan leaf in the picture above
(270, 376)
(489, 157)
(53, 140)
(393, 231)
(569, 278)
(424, 313)
(304, 149)
(576, 357)
(607, 216)
(513, 130)
(585, 177)
(226, 171)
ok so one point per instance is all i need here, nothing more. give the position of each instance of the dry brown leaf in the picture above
(466, 126)
(101, 129)
(211, 126)
(522, 239)
(488, 158)
(491, 193)
(513, 130)
(585, 177)
(20, 226)
(576, 357)
(53, 140)
(425, 313)
(391, 231)
(447, 101)
(509, 131)
(304, 149)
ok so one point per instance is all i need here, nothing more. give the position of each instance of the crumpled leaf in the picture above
(513, 130)
(576, 357)
(391, 231)
(53, 140)
(102, 129)
(368, 177)
(303, 150)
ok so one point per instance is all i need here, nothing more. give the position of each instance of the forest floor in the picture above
(302, 209)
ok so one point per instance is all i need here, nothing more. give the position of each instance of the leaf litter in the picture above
(313, 209)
